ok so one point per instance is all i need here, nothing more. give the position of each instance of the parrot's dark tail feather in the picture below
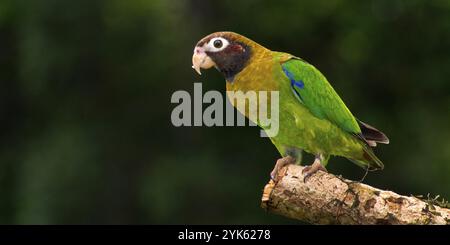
(369, 137)
(372, 135)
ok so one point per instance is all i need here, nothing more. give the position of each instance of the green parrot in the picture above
(312, 116)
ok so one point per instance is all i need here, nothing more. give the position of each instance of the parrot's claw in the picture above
(274, 175)
(308, 171)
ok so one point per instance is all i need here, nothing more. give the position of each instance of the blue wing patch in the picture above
(297, 83)
(294, 83)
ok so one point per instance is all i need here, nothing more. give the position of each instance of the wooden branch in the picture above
(328, 199)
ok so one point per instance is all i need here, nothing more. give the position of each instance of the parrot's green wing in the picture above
(314, 91)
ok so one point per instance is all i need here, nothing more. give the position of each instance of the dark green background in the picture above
(85, 91)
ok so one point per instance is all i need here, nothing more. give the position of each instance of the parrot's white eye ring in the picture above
(217, 44)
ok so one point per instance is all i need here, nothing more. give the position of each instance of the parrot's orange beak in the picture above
(201, 60)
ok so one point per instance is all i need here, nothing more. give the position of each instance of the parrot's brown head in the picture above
(229, 52)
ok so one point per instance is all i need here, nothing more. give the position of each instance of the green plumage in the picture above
(327, 125)
(319, 97)
(312, 116)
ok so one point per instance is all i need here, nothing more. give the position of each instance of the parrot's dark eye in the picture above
(218, 43)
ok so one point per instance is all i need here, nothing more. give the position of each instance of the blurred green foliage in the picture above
(85, 106)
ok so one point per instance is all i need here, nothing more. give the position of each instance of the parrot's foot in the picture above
(308, 171)
(279, 165)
